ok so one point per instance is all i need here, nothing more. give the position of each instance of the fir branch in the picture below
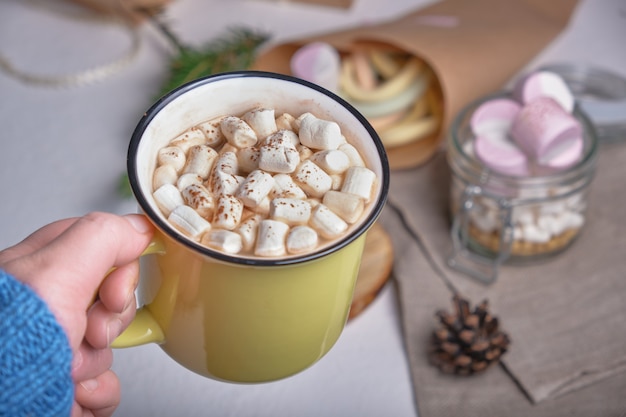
(123, 186)
(235, 51)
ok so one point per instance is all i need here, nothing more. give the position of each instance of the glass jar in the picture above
(517, 219)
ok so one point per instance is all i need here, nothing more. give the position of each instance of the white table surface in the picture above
(64, 150)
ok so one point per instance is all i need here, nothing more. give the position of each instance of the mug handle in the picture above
(144, 328)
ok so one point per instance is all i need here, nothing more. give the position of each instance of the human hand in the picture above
(66, 263)
(134, 11)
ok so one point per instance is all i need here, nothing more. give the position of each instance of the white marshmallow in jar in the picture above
(522, 163)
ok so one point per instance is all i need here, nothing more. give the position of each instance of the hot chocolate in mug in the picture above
(230, 317)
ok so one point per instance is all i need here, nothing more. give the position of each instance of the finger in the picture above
(77, 410)
(115, 307)
(79, 258)
(36, 240)
(89, 362)
(100, 395)
(118, 288)
(103, 326)
(100, 241)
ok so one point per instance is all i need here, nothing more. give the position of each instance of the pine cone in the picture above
(467, 342)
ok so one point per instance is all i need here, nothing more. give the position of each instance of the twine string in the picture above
(81, 77)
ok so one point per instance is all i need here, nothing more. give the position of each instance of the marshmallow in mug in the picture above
(262, 184)
(531, 134)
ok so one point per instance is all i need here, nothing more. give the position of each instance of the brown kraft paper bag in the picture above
(472, 47)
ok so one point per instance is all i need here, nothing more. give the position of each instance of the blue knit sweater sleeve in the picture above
(35, 356)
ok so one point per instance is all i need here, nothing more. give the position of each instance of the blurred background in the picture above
(64, 154)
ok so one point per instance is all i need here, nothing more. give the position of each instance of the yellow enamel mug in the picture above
(234, 318)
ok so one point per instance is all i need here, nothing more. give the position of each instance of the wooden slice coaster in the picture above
(375, 269)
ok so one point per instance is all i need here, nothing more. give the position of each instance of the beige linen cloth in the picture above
(566, 316)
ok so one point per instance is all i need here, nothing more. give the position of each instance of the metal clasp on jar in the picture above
(480, 266)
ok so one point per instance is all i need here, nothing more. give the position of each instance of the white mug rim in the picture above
(148, 209)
